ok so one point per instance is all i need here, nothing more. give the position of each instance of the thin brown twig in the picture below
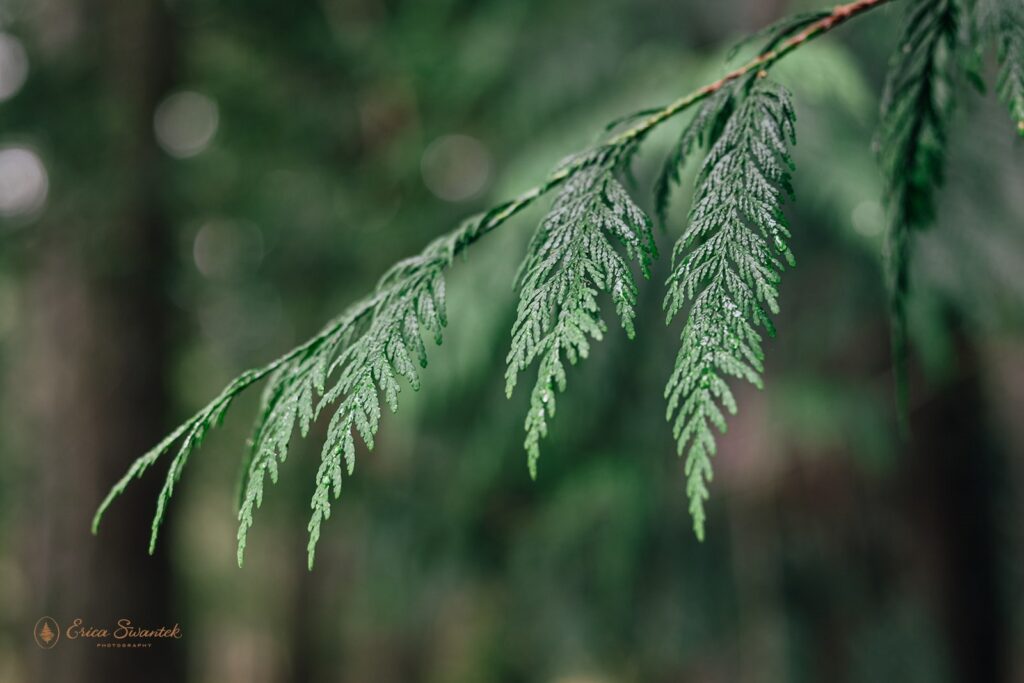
(839, 15)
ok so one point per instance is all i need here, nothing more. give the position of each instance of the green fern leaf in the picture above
(725, 266)
(570, 261)
(374, 346)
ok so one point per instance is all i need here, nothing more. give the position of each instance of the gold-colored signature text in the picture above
(125, 629)
(124, 634)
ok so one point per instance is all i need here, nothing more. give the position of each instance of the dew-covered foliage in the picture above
(726, 265)
(572, 259)
(362, 359)
(359, 357)
(726, 269)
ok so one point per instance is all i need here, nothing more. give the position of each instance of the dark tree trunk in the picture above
(95, 355)
(955, 488)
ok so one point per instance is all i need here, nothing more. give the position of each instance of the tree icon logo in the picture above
(46, 632)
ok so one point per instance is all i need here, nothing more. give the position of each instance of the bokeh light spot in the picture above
(868, 218)
(23, 181)
(456, 167)
(224, 250)
(185, 123)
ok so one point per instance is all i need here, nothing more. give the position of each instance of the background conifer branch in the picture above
(916, 107)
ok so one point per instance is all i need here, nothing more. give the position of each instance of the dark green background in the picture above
(145, 282)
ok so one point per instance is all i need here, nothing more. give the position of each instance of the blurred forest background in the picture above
(191, 187)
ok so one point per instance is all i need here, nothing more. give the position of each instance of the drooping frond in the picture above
(916, 106)
(572, 259)
(726, 266)
(355, 359)
(373, 347)
(191, 434)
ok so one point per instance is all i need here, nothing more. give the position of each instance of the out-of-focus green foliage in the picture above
(916, 106)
